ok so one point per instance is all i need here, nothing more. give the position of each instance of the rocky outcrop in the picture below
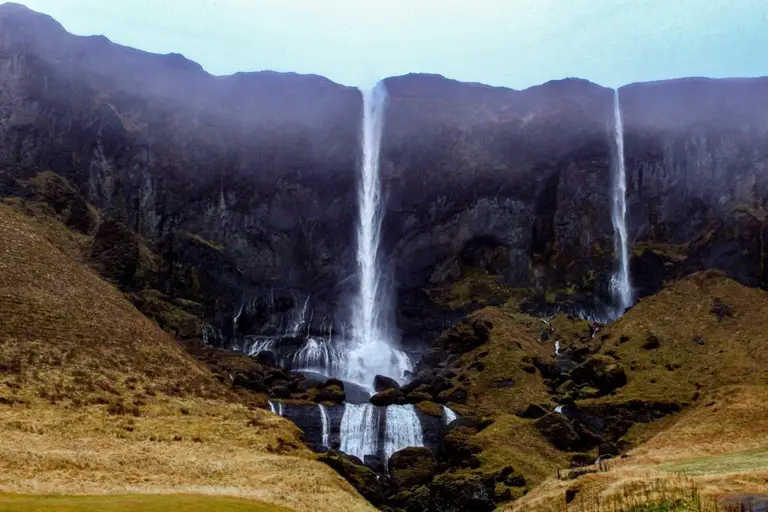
(262, 167)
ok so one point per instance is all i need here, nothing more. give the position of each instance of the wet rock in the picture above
(334, 382)
(411, 467)
(332, 393)
(418, 396)
(452, 492)
(388, 397)
(382, 383)
(280, 391)
(267, 358)
(351, 468)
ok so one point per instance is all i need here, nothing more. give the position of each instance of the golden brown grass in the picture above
(131, 503)
(96, 399)
(734, 349)
(702, 449)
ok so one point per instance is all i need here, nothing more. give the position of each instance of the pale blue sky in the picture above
(515, 43)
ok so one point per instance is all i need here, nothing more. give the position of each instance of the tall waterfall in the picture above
(373, 350)
(326, 426)
(403, 429)
(620, 283)
(360, 430)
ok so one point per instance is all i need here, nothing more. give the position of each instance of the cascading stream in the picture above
(373, 350)
(360, 430)
(326, 440)
(402, 429)
(620, 282)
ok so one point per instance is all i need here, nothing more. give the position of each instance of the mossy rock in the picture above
(388, 397)
(332, 393)
(602, 372)
(412, 500)
(429, 408)
(411, 467)
(454, 492)
(361, 477)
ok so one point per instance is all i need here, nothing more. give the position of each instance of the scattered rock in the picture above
(602, 372)
(558, 430)
(267, 358)
(411, 467)
(502, 383)
(412, 500)
(333, 382)
(456, 395)
(280, 391)
(606, 449)
(699, 340)
(418, 396)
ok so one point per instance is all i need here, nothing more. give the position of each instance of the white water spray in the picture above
(326, 426)
(620, 283)
(373, 351)
(403, 429)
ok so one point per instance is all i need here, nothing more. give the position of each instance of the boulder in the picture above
(466, 336)
(558, 430)
(602, 372)
(388, 397)
(333, 382)
(412, 500)
(361, 477)
(457, 395)
(458, 446)
(415, 397)
(267, 358)
(411, 467)
(331, 394)
(534, 411)
(280, 391)
(382, 383)
(451, 492)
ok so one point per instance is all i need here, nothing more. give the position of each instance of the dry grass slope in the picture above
(96, 399)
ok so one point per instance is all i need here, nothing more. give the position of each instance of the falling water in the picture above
(448, 415)
(326, 426)
(372, 352)
(559, 409)
(272, 407)
(557, 348)
(280, 410)
(622, 289)
(403, 429)
(359, 430)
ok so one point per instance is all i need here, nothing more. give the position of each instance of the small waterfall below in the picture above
(448, 415)
(402, 429)
(360, 430)
(373, 350)
(620, 282)
(272, 407)
(326, 420)
(276, 408)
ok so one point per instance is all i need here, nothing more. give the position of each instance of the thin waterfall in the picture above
(403, 429)
(620, 282)
(272, 407)
(373, 351)
(359, 430)
(448, 415)
(326, 426)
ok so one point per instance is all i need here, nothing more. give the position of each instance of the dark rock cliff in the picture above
(248, 181)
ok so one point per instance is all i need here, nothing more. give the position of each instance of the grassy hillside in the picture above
(131, 503)
(95, 398)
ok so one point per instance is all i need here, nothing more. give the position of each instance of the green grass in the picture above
(740, 462)
(130, 503)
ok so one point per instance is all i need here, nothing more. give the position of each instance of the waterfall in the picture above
(373, 351)
(326, 426)
(403, 429)
(272, 407)
(557, 348)
(280, 410)
(448, 415)
(318, 355)
(620, 284)
(360, 430)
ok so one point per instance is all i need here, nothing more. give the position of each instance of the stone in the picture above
(280, 391)
(412, 500)
(362, 478)
(451, 492)
(334, 382)
(456, 395)
(267, 358)
(332, 394)
(558, 430)
(415, 397)
(607, 449)
(534, 411)
(388, 397)
(601, 371)
(382, 383)
(458, 445)
(411, 467)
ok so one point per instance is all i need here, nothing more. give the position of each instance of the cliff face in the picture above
(262, 169)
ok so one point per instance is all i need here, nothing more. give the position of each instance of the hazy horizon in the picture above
(510, 43)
